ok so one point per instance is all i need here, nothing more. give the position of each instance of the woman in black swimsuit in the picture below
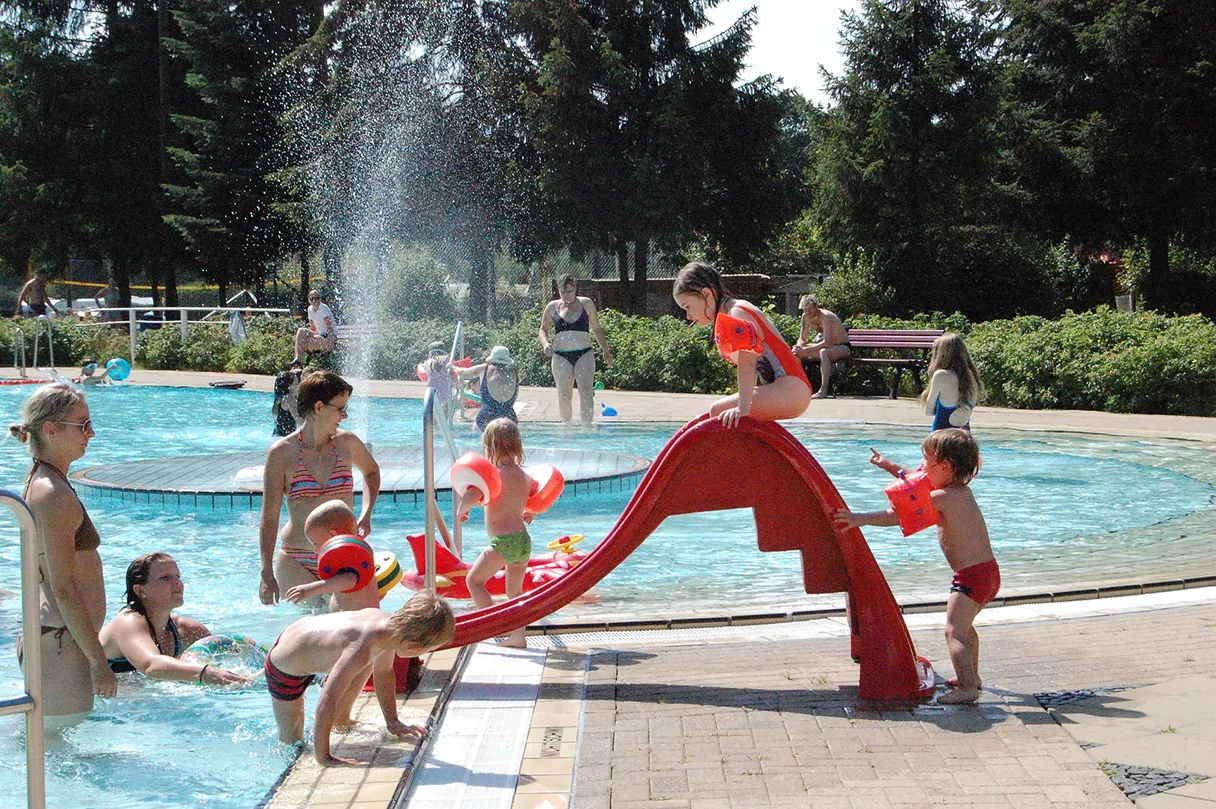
(71, 592)
(147, 637)
(572, 320)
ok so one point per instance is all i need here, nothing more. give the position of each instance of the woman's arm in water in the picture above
(593, 320)
(58, 515)
(546, 323)
(362, 460)
(268, 526)
(130, 631)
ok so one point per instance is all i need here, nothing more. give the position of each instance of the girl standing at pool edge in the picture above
(772, 384)
(954, 384)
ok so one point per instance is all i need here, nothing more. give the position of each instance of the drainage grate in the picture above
(1140, 782)
(1058, 699)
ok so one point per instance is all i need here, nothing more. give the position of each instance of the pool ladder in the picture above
(19, 351)
(50, 342)
(29, 703)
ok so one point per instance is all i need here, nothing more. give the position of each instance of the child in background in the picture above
(327, 521)
(347, 644)
(88, 369)
(954, 384)
(772, 384)
(510, 544)
(952, 459)
(438, 371)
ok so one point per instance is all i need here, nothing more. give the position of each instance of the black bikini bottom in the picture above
(572, 357)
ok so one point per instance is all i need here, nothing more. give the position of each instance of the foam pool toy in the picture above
(565, 544)
(120, 369)
(250, 478)
(599, 385)
(238, 653)
(388, 572)
(450, 572)
(547, 486)
(343, 553)
(911, 497)
(605, 410)
(473, 471)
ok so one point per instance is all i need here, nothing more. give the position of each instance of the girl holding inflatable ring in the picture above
(147, 637)
(311, 466)
(772, 384)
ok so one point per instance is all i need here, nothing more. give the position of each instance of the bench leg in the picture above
(895, 377)
(916, 380)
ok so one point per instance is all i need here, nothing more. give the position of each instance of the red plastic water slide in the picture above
(757, 465)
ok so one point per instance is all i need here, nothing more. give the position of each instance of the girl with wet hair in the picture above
(954, 384)
(772, 384)
(57, 427)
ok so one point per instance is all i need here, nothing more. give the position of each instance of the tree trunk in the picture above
(481, 282)
(297, 306)
(622, 273)
(331, 254)
(1156, 288)
(168, 264)
(641, 255)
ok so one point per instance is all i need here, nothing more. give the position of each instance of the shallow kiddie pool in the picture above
(1060, 508)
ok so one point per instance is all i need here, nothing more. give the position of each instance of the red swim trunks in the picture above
(979, 583)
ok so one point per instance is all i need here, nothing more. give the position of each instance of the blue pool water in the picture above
(1053, 504)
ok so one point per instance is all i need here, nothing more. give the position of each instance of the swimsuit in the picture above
(307, 559)
(581, 323)
(514, 548)
(941, 417)
(119, 665)
(283, 686)
(980, 583)
(303, 484)
(776, 358)
(492, 409)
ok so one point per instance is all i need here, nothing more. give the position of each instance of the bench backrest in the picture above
(894, 338)
(347, 331)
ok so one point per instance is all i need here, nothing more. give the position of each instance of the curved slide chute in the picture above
(761, 466)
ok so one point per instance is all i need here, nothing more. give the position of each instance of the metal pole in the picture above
(31, 702)
(185, 327)
(134, 334)
(457, 525)
(428, 474)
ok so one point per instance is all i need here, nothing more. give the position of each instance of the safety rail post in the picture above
(428, 474)
(185, 327)
(134, 328)
(19, 350)
(29, 703)
(50, 341)
(457, 352)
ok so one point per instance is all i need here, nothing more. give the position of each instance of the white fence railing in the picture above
(184, 321)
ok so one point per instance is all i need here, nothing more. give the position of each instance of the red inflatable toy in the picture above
(547, 486)
(912, 500)
(472, 471)
(345, 552)
(450, 572)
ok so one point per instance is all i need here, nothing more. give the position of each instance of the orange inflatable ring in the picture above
(732, 335)
(346, 552)
(420, 369)
(565, 544)
(911, 497)
(472, 471)
(547, 486)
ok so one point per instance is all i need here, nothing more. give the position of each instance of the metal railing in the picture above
(29, 703)
(134, 323)
(50, 341)
(429, 401)
(19, 351)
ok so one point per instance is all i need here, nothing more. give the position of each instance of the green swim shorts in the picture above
(513, 548)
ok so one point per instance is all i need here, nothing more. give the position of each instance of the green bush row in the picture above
(1124, 362)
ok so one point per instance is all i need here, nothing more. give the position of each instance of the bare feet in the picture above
(959, 696)
(344, 725)
(514, 642)
(819, 395)
(953, 683)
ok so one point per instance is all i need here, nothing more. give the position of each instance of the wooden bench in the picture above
(918, 341)
(360, 331)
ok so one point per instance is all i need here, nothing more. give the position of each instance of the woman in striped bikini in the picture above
(295, 467)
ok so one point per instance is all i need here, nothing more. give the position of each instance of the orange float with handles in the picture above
(347, 553)
(733, 334)
(547, 486)
(911, 497)
(472, 471)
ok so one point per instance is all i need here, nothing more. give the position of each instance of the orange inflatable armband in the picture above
(733, 334)
(547, 485)
(346, 552)
(912, 500)
(472, 471)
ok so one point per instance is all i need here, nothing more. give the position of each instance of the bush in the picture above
(268, 347)
(854, 287)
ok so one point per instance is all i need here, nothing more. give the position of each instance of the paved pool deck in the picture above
(1078, 694)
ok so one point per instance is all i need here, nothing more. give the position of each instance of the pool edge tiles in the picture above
(592, 471)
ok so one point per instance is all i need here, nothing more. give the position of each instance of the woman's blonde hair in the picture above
(426, 620)
(950, 354)
(49, 403)
(502, 442)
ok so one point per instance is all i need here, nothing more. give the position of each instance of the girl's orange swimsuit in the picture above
(776, 358)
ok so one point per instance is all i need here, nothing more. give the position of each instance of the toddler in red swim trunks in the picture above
(952, 459)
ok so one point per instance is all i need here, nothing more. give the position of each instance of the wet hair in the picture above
(566, 280)
(333, 516)
(138, 572)
(437, 347)
(959, 448)
(426, 620)
(320, 386)
(950, 354)
(502, 442)
(695, 277)
(49, 403)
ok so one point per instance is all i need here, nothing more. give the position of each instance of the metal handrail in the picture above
(457, 351)
(50, 341)
(428, 468)
(29, 703)
(19, 349)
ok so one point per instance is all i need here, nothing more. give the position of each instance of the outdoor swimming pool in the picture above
(1060, 509)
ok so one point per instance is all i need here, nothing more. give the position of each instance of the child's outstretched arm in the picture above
(848, 519)
(386, 688)
(887, 465)
(353, 661)
(467, 501)
(339, 583)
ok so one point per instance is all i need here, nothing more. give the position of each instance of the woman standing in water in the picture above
(571, 320)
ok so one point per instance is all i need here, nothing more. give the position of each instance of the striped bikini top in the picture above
(303, 484)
